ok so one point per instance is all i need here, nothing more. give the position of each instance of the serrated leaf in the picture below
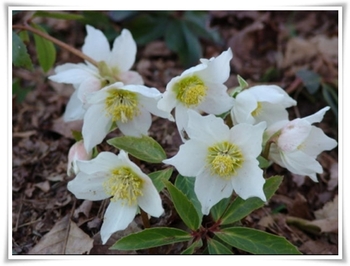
(20, 56)
(186, 186)
(310, 79)
(256, 241)
(240, 208)
(45, 49)
(217, 248)
(193, 247)
(58, 15)
(144, 148)
(184, 207)
(159, 177)
(152, 237)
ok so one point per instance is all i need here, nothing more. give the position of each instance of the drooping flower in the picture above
(200, 88)
(113, 65)
(129, 106)
(116, 177)
(76, 152)
(297, 143)
(261, 103)
(221, 159)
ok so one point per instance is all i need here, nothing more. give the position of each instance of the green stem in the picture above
(57, 42)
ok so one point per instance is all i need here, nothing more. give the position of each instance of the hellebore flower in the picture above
(113, 65)
(221, 159)
(109, 175)
(76, 152)
(261, 103)
(297, 143)
(199, 88)
(129, 106)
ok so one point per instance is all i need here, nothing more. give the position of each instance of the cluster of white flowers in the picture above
(222, 160)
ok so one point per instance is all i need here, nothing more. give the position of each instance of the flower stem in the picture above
(57, 42)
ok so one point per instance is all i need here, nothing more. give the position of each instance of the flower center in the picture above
(257, 110)
(124, 184)
(109, 74)
(122, 105)
(190, 91)
(225, 159)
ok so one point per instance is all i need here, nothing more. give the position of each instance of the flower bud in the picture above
(76, 152)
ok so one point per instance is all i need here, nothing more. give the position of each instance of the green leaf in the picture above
(242, 82)
(310, 79)
(241, 208)
(152, 237)
(20, 56)
(186, 185)
(19, 91)
(193, 247)
(144, 148)
(219, 208)
(159, 177)
(217, 248)
(77, 135)
(58, 15)
(256, 241)
(330, 97)
(184, 207)
(45, 49)
(263, 163)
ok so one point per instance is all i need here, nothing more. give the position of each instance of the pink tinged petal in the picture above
(76, 152)
(150, 200)
(248, 138)
(96, 45)
(104, 162)
(190, 159)
(117, 217)
(123, 51)
(138, 126)
(74, 109)
(90, 187)
(218, 69)
(244, 104)
(96, 126)
(317, 142)
(300, 163)
(131, 77)
(316, 117)
(88, 86)
(217, 101)
(249, 181)
(209, 128)
(211, 189)
(293, 134)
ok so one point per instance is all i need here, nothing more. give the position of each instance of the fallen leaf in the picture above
(84, 208)
(333, 181)
(298, 49)
(64, 238)
(44, 186)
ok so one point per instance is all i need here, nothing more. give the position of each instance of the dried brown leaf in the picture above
(44, 186)
(64, 238)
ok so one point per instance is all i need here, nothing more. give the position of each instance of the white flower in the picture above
(109, 175)
(76, 152)
(113, 65)
(221, 159)
(261, 103)
(129, 106)
(199, 88)
(297, 143)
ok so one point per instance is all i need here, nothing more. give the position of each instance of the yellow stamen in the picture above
(257, 110)
(191, 91)
(123, 184)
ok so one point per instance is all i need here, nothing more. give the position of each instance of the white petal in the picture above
(151, 105)
(117, 217)
(71, 76)
(244, 104)
(143, 90)
(123, 51)
(138, 126)
(195, 70)
(96, 126)
(96, 45)
(74, 109)
(211, 189)
(248, 138)
(272, 94)
(104, 162)
(249, 181)
(190, 159)
(131, 77)
(318, 116)
(167, 102)
(88, 86)
(181, 119)
(271, 113)
(217, 101)
(150, 201)
(317, 142)
(90, 187)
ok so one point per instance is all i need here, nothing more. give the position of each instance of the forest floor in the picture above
(269, 47)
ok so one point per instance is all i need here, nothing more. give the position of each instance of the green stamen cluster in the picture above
(190, 91)
(109, 74)
(122, 105)
(124, 184)
(225, 159)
